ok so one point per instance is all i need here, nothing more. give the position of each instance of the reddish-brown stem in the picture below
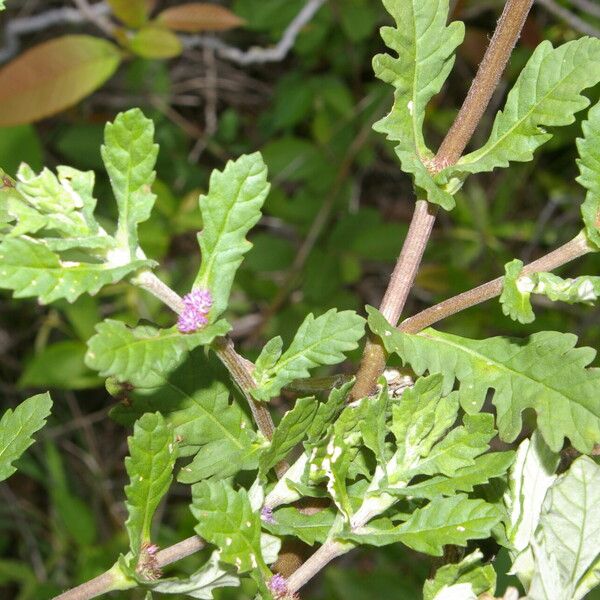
(576, 248)
(482, 88)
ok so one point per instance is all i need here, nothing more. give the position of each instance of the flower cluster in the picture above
(147, 566)
(278, 586)
(266, 514)
(196, 306)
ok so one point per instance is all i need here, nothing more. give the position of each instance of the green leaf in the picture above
(418, 422)
(144, 356)
(60, 366)
(129, 154)
(320, 341)
(152, 455)
(546, 94)
(327, 412)
(54, 75)
(566, 541)
(589, 167)
(133, 13)
(201, 584)
(544, 372)
(291, 431)
(532, 474)
(310, 528)
(195, 400)
(231, 208)
(425, 46)
(443, 521)
(460, 447)
(30, 269)
(155, 42)
(481, 579)
(16, 428)
(517, 290)
(484, 468)
(226, 519)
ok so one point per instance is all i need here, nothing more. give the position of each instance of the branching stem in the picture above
(576, 248)
(482, 88)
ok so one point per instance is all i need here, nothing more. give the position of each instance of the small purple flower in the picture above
(266, 514)
(278, 586)
(196, 306)
(199, 300)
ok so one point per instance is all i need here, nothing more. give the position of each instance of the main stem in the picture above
(478, 98)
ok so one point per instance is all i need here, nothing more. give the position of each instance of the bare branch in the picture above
(259, 55)
(95, 17)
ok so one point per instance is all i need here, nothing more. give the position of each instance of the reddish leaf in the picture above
(134, 13)
(199, 16)
(155, 42)
(53, 76)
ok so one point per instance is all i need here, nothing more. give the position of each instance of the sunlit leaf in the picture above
(129, 154)
(320, 341)
(152, 454)
(425, 46)
(53, 76)
(226, 518)
(589, 166)
(229, 210)
(144, 356)
(548, 92)
(545, 372)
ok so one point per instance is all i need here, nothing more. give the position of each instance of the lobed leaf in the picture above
(17, 427)
(195, 400)
(152, 455)
(129, 154)
(320, 341)
(201, 584)
(289, 433)
(517, 290)
(226, 519)
(544, 372)
(443, 521)
(229, 210)
(310, 528)
(425, 46)
(484, 468)
(532, 474)
(54, 75)
(566, 541)
(589, 167)
(144, 356)
(547, 93)
(480, 578)
(30, 269)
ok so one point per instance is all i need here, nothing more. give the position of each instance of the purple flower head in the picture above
(199, 300)
(266, 514)
(196, 306)
(278, 586)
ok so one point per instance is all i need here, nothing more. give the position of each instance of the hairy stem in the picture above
(239, 368)
(576, 248)
(480, 93)
(106, 582)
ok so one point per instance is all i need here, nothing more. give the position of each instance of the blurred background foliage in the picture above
(333, 226)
